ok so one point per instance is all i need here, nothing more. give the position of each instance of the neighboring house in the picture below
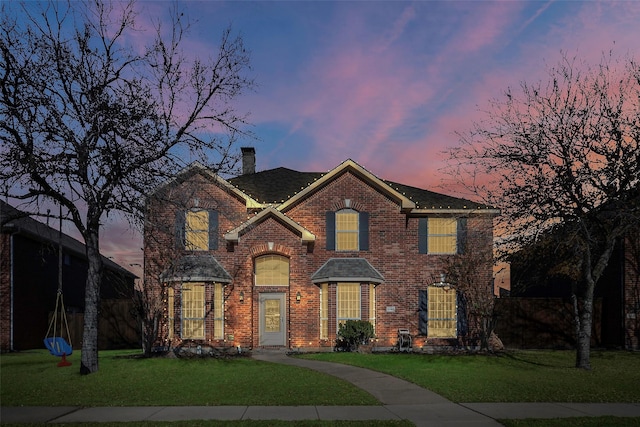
(281, 258)
(29, 284)
(538, 312)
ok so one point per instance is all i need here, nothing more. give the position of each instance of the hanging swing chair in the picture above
(55, 343)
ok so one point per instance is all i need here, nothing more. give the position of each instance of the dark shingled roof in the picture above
(280, 184)
(196, 268)
(347, 270)
(274, 185)
(14, 220)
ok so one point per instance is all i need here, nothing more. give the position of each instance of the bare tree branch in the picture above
(92, 123)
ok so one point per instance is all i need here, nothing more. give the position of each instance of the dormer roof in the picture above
(270, 212)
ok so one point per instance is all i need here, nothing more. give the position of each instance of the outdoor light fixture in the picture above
(298, 297)
(443, 278)
(241, 296)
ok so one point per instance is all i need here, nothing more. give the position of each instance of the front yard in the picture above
(515, 376)
(32, 379)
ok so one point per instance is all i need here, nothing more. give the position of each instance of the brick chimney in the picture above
(248, 160)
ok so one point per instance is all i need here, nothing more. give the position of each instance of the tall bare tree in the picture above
(470, 273)
(92, 122)
(563, 155)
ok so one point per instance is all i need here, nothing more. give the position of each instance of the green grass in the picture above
(32, 379)
(522, 376)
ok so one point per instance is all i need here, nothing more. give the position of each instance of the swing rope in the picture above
(63, 318)
(57, 345)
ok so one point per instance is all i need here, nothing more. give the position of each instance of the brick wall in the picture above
(393, 251)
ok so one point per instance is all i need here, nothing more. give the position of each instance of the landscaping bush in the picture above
(352, 334)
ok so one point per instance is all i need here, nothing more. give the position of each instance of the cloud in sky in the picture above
(388, 83)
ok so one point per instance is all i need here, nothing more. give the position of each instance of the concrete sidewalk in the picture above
(400, 400)
(422, 415)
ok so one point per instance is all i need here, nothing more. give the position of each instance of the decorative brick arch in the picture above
(350, 204)
(265, 249)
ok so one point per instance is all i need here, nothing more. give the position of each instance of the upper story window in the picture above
(347, 230)
(442, 235)
(197, 230)
(272, 270)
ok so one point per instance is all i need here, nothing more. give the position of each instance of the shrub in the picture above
(352, 334)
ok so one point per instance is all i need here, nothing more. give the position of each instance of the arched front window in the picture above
(272, 270)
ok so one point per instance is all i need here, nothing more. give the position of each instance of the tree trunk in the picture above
(583, 349)
(591, 277)
(89, 360)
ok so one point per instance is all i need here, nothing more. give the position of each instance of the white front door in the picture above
(272, 319)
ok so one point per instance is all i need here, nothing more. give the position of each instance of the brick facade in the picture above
(393, 250)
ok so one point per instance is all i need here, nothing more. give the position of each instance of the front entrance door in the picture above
(272, 319)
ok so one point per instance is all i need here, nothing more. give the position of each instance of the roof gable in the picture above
(271, 212)
(198, 168)
(352, 167)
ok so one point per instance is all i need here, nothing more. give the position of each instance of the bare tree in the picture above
(91, 122)
(562, 155)
(470, 273)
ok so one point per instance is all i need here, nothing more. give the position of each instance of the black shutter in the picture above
(422, 235)
(180, 219)
(213, 230)
(461, 315)
(331, 231)
(423, 311)
(461, 233)
(363, 232)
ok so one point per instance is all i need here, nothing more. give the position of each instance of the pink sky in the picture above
(386, 84)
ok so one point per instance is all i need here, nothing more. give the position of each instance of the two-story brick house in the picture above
(281, 257)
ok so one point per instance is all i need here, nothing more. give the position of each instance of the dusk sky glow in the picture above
(384, 83)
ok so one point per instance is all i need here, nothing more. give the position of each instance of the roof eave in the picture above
(457, 211)
(195, 279)
(347, 279)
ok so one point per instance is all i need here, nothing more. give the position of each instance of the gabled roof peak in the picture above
(350, 165)
(197, 167)
(305, 235)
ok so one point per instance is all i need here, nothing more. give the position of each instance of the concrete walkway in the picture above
(400, 400)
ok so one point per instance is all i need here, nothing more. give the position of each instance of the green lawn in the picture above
(522, 376)
(32, 378)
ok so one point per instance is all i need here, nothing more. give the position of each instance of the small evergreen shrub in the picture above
(352, 334)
